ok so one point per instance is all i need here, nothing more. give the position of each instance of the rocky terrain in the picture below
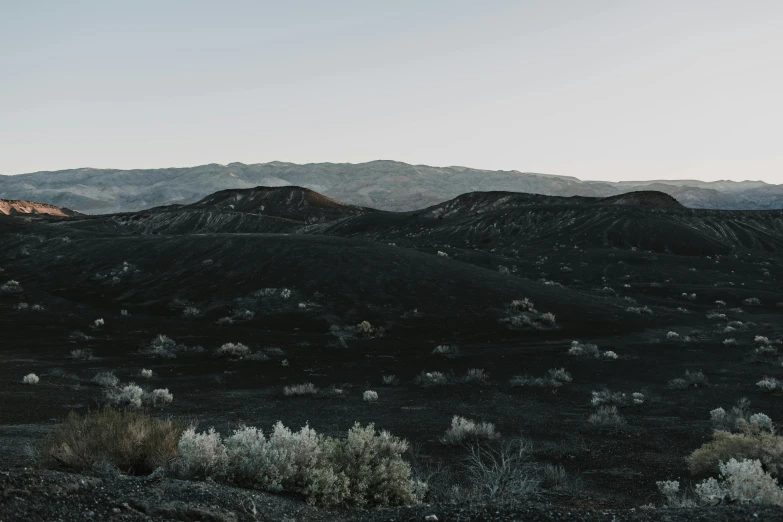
(385, 185)
(498, 281)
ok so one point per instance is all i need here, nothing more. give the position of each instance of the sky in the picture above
(609, 90)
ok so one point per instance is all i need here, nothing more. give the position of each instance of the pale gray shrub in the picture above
(82, 354)
(30, 378)
(770, 384)
(159, 397)
(145, 373)
(202, 455)
(606, 416)
(190, 311)
(130, 395)
(390, 380)
(691, 379)
(476, 375)
(446, 350)
(431, 378)
(584, 350)
(161, 346)
(233, 350)
(639, 310)
(299, 390)
(370, 396)
(99, 322)
(717, 316)
(11, 287)
(672, 335)
(730, 342)
(464, 430)
(605, 396)
(224, 321)
(554, 379)
(106, 379)
(743, 481)
(752, 301)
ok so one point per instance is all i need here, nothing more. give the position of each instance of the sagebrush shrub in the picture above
(30, 378)
(106, 379)
(298, 390)
(202, 455)
(130, 396)
(233, 350)
(476, 375)
(370, 396)
(606, 416)
(741, 481)
(503, 473)
(464, 430)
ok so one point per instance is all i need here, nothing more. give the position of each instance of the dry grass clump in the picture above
(502, 473)
(555, 378)
(463, 430)
(300, 390)
(134, 442)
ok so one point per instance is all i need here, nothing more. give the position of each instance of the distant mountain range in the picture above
(385, 185)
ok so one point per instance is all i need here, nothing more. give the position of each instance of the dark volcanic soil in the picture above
(586, 264)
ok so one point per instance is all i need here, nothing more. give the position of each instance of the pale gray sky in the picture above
(631, 89)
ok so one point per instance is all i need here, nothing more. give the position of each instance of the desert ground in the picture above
(404, 304)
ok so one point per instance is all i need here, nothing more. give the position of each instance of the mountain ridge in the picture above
(382, 184)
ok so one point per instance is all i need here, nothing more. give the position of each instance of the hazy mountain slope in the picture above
(385, 185)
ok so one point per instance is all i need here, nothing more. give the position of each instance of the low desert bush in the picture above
(161, 346)
(770, 384)
(639, 310)
(691, 379)
(233, 351)
(82, 354)
(30, 378)
(752, 301)
(300, 390)
(128, 396)
(431, 378)
(11, 287)
(365, 469)
(99, 322)
(672, 335)
(606, 417)
(390, 380)
(463, 430)
(146, 374)
(370, 396)
(555, 378)
(476, 375)
(446, 350)
(584, 350)
(190, 311)
(755, 440)
(607, 397)
(133, 441)
(106, 379)
(740, 481)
